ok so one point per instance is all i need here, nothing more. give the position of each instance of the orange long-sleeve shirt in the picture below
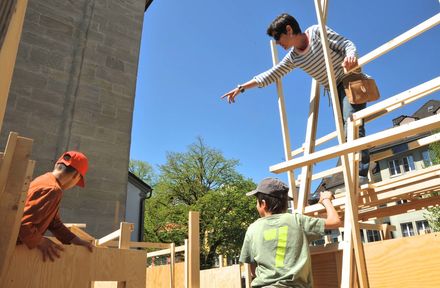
(41, 212)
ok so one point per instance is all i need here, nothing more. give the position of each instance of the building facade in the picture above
(73, 88)
(391, 161)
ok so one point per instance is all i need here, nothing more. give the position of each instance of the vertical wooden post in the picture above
(186, 266)
(125, 235)
(309, 143)
(309, 147)
(8, 53)
(220, 261)
(172, 265)
(247, 273)
(194, 250)
(348, 179)
(16, 173)
(284, 129)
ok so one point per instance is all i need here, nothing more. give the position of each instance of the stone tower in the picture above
(73, 88)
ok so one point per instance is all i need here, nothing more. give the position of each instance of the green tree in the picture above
(143, 170)
(433, 214)
(201, 179)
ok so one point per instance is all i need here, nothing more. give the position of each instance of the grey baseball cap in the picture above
(270, 186)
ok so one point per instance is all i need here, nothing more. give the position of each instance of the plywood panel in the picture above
(76, 268)
(229, 276)
(159, 276)
(325, 269)
(404, 262)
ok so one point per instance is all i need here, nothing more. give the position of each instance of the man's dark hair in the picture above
(278, 26)
(64, 168)
(275, 205)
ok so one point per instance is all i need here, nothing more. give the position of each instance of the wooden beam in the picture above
(284, 128)
(194, 250)
(397, 101)
(172, 265)
(8, 53)
(318, 142)
(124, 238)
(306, 171)
(411, 146)
(81, 233)
(323, 174)
(19, 174)
(166, 251)
(416, 127)
(109, 237)
(399, 40)
(414, 205)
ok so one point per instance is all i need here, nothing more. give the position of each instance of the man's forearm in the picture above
(332, 220)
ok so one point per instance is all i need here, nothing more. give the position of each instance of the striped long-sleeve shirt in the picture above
(312, 59)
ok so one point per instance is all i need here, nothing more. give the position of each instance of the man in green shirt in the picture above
(277, 244)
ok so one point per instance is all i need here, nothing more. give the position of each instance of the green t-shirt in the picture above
(279, 246)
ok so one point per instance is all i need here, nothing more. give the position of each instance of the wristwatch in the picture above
(240, 88)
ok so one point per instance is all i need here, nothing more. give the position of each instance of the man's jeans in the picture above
(347, 110)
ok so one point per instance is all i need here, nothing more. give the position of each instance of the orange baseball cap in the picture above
(78, 161)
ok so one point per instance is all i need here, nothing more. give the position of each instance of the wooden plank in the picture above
(7, 160)
(351, 206)
(318, 142)
(186, 270)
(401, 39)
(247, 275)
(109, 237)
(157, 274)
(387, 105)
(309, 143)
(284, 128)
(165, 251)
(13, 198)
(81, 233)
(78, 225)
(151, 245)
(229, 276)
(8, 53)
(172, 265)
(194, 250)
(379, 138)
(404, 262)
(124, 239)
(416, 204)
(76, 268)
(309, 147)
(411, 146)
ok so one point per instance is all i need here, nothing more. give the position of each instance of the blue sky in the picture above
(194, 51)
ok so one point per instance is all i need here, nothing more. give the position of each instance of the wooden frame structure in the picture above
(360, 203)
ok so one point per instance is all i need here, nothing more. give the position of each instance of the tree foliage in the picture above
(201, 179)
(143, 170)
(433, 214)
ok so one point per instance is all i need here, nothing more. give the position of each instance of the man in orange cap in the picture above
(41, 210)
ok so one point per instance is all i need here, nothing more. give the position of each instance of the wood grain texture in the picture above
(76, 268)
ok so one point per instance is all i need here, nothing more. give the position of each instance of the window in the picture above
(394, 167)
(407, 229)
(430, 108)
(408, 163)
(422, 225)
(373, 235)
(426, 158)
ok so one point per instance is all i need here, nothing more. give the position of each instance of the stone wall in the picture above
(73, 89)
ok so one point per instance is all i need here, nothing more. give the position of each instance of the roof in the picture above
(141, 185)
(147, 4)
(428, 109)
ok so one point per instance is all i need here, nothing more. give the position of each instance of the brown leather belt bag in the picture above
(359, 88)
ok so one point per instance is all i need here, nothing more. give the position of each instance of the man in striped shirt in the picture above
(306, 53)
